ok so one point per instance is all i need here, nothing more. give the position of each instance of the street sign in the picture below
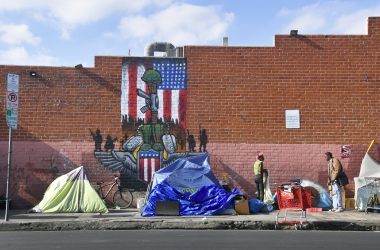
(12, 100)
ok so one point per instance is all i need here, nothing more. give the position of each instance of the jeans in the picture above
(260, 187)
(336, 195)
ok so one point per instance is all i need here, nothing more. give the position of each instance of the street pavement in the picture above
(130, 219)
(189, 239)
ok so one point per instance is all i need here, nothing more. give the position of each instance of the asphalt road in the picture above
(182, 239)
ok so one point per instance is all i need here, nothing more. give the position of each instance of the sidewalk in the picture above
(126, 219)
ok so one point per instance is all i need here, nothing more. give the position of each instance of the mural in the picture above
(153, 113)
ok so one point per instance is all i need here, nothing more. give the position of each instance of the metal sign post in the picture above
(8, 173)
(12, 119)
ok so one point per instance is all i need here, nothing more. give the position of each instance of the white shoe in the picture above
(339, 210)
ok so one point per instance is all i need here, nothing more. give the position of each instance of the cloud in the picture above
(180, 24)
(330, 17)
(71, 13)
(310, 22)
(20, 56)
(15, 34)
(356, 22)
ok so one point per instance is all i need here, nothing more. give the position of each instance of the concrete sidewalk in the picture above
(20, 220)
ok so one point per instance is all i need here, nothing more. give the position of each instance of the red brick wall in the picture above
(239, 94)
(56, 111)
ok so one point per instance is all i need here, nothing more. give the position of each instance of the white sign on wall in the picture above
(292, 119)
(12, 100)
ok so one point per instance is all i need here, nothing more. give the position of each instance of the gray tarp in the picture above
(366, 184)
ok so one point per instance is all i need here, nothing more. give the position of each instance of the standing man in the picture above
(334, 169)
(258, 171)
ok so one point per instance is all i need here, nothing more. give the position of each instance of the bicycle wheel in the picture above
(123, 198)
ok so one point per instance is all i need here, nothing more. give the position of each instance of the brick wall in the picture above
(239, 94)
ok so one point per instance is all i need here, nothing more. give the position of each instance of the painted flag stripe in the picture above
(160, 95)
(140, 85)
(153, 168)
(182, 107)
(124, 91)
(132, 95)
(167, 104)
(175, 101)
(146, 169)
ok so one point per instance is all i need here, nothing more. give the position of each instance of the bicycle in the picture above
(122, 198)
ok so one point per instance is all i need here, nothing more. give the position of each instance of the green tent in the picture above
(71, 193)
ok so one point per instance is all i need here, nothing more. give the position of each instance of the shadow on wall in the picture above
(34, 166)
(231, 177)
(116, 88)
(309, 42)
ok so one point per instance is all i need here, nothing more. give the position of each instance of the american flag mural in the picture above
(171, 92)
(149, 162)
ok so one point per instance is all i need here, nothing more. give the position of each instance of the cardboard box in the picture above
(242, 207)
(350, 203)
(343, 198)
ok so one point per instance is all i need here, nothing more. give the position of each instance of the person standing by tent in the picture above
(334, 169)
(258, 169)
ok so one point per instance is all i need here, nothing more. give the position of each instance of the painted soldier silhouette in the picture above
(191, 141)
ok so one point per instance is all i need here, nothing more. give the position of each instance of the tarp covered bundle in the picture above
(208, 200)
(71, 193)
(366, 183)
(191, 182)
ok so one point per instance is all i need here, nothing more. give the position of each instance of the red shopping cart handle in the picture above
(291, 184)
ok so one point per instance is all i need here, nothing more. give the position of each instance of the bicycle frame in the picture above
(101, 186)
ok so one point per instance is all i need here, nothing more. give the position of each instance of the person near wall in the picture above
(258, 170)
(334, 169)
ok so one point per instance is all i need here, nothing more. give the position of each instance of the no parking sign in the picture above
(12, 100)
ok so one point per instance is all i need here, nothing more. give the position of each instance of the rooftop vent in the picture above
(168, 48)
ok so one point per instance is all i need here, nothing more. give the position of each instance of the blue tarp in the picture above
(187, 174)
(191, 182)
(256, 205)
(208, 200)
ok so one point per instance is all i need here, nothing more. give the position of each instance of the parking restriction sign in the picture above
(12, 100)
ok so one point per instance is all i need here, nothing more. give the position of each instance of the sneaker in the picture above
(339, 210)
(332, 210)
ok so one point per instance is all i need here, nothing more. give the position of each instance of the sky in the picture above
(71, 32)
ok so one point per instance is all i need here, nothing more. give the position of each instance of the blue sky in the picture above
(69, 32)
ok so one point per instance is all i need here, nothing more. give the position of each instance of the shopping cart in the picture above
(292, 202)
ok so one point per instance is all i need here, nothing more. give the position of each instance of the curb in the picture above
(167, 224)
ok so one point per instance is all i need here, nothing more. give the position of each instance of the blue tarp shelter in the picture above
(187, 174)
(191, 182)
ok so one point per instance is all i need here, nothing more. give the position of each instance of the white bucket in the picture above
(140, 203)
